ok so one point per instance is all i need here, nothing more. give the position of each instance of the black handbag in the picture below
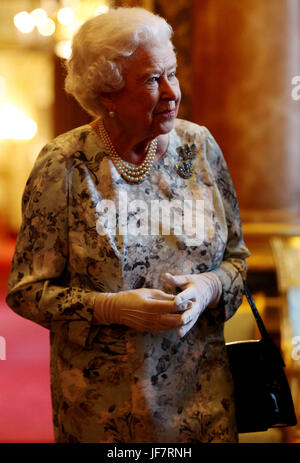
(263, 398)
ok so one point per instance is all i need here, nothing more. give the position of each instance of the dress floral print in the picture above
(113, 384)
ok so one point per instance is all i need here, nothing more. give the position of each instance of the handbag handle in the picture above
(262, 329)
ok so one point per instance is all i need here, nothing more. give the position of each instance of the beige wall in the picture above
(244, 57)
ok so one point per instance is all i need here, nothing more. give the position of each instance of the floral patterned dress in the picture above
(113, 384)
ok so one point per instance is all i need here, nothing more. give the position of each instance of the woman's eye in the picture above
(172, 74)
(153, 79)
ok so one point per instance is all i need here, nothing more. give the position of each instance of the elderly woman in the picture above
(135, 314)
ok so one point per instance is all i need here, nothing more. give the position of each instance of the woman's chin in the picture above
(166, 125)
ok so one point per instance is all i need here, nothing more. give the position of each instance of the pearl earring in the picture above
(111, 114)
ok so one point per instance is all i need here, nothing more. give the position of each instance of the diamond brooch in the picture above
(187, 153)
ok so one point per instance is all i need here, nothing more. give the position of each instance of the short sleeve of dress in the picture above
(37, 287)
(234, 266)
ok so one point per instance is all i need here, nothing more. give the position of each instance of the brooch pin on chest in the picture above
(187, 153)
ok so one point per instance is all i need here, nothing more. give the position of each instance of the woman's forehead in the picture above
(152, 58)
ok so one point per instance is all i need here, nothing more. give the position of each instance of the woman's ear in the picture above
(107, 100)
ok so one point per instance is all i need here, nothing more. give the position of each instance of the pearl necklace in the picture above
(130, 173)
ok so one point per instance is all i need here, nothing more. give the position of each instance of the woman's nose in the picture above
(168, 90)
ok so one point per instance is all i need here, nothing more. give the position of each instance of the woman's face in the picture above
(148, 104)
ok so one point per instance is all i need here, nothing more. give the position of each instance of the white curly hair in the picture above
(101, 48)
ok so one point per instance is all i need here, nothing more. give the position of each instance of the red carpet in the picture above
(25, 402)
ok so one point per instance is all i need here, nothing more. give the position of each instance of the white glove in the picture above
(203, 290)
(142, 309)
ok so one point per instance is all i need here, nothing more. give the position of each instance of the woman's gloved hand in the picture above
(202, 290)
(143, 309)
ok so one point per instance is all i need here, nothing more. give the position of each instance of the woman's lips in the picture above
(168, 113)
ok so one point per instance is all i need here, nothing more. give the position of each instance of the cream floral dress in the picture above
(113, 384)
